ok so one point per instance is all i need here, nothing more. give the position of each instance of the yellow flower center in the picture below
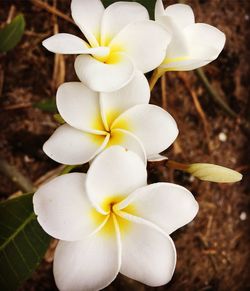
(109, 205)
(111, 128)
(113, 57)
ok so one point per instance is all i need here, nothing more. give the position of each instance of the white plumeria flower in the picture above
(95, 121)
(111, 221)
(193, 45)
(120, 38)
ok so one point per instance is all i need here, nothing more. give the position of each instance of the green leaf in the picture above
(23, 243)
(12, 33)
(149, 4)
(46, 105)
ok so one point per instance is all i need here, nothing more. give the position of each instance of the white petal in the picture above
(129, 141)
(155, 127)
(64, 210)
(205, 41)
(87, 14)
(147, 52)
(114, 174)
(159, 9)
(117, 16)
(175, 18)
(181, 14)
(148, 255)
(71, 146)
(201, 43)
(157, 158)
(90, 264)
(79, 106)
(167, 205)
(65, 43)
(183, 64)
(178, 47)
(104, 77)
(114, 103)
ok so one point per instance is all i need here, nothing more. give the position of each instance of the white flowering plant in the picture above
(109, 220)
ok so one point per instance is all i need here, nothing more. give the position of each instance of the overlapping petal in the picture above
(108, 176)
(104, 77)
(71, 146)
(183, 64)
(63, 208)
(178, 47)
(147, 52)
(207, 41)
(117, 16)
(79, 107)
(114, 103)
(65, 43)
(88, 131)
(167, 205)
(174, 17)
(155, 127)
(148, 255)
(193, 45)
(89, 264)
(198, 45)
(128, 141)
(87, 14)
(182, 14)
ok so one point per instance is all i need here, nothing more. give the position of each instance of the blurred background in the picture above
(214, 250)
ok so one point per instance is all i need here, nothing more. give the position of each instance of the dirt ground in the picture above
(214, 250)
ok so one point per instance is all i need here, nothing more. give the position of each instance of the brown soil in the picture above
(213, 250)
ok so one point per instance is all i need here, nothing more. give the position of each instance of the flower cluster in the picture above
(109, 220)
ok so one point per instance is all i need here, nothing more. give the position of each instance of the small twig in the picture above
(59, 63)
(11, 14)
(164, 92)
(17, 106)
(210, 252)
(36, 34)
(209, 226)
(197, 106)
(210, 256)
(52, 10)
(18, 178)
(217, 98)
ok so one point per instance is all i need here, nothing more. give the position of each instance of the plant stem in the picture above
(155, 76)
(68, 169)
(177, 166)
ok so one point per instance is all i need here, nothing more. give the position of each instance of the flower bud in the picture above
(213, 173)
